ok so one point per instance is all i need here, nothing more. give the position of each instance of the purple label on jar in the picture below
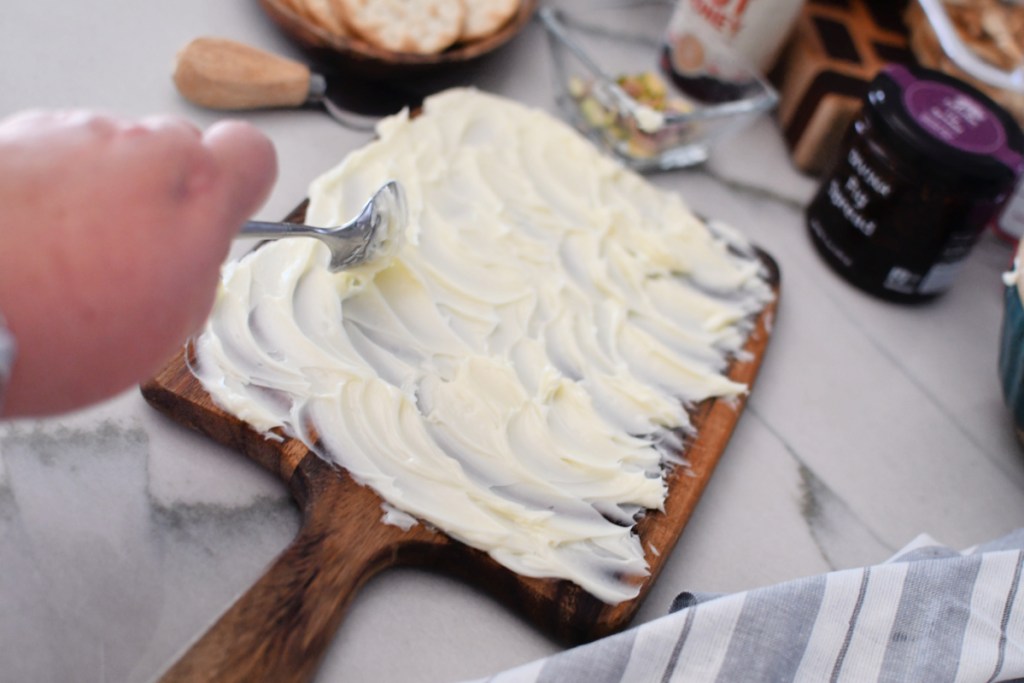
(954, 118)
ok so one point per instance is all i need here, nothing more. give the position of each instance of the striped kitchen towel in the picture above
(929, 614)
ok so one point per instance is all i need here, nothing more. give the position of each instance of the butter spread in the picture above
(517, 375)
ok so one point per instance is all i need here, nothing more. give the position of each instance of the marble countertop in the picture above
(122, 535)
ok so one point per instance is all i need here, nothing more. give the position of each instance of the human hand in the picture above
(112, 234)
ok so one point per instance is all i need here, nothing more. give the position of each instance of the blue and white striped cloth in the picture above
(929, 614)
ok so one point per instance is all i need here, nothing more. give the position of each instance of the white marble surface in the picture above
(122, 535)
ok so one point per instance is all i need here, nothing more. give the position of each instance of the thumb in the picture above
(247, 164)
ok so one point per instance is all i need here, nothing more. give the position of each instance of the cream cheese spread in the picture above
(517, 375)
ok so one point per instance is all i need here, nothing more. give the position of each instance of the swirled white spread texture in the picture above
(517, 374)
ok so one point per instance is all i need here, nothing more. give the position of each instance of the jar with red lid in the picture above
(923, 169)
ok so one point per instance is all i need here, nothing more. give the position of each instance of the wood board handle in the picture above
(280, 629)
(223, 74)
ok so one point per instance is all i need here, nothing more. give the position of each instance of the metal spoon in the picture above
(376, 232)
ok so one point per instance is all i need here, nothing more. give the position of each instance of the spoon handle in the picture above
(271, 230)
(349, 246)
(217, 73)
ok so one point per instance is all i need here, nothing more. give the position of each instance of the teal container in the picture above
(1011, 357)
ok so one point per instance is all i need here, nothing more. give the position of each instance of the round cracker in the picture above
(484, 17)
(321, 13)
(296, 7)
(418, 26)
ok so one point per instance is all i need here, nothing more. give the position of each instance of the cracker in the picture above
(321, 13)
(418, 26)
(296, 7)
(484, 17)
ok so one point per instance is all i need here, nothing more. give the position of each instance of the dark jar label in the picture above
(892, 234)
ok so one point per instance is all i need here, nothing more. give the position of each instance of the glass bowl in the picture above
(616, 83)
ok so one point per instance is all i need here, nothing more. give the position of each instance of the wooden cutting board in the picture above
(280, 629)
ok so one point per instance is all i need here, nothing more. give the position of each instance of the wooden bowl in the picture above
(359, 57)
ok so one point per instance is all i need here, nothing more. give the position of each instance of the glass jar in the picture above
(922, 170)
(754, 30)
